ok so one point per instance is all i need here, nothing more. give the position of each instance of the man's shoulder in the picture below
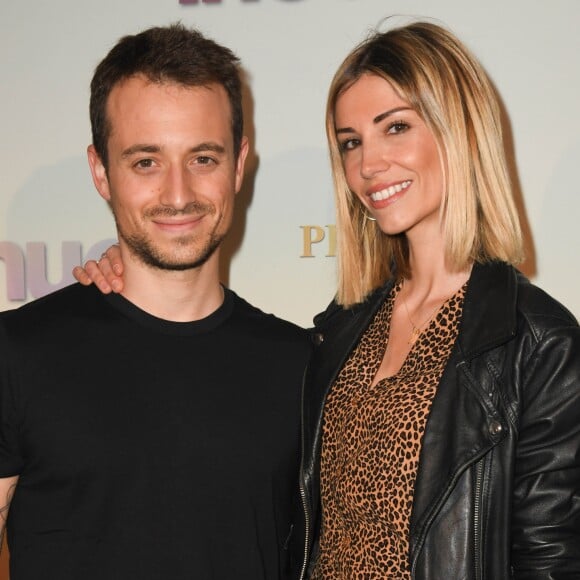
(254, 319)
(71, 301)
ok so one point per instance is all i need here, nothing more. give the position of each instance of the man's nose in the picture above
(177, 189)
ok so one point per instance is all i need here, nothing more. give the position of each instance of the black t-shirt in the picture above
(150, 449)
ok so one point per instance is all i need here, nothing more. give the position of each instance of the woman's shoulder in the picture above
(540, 310)
(501, 296)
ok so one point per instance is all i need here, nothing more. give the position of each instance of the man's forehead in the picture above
(140, 82)
(145, 111)
(139, 95)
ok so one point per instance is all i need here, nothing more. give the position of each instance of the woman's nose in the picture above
(374, 160)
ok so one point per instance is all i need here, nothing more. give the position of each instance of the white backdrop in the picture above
(50, 214)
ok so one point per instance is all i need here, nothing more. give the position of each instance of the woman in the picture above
(442, 405)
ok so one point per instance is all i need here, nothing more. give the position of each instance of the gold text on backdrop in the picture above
(313, 235)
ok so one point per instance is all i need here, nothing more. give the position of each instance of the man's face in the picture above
(172, 175)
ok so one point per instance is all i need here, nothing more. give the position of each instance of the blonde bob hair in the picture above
(432, 70)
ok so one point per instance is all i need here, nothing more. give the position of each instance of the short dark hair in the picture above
(174, 54)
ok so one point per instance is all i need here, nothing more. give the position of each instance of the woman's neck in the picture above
(432, 277)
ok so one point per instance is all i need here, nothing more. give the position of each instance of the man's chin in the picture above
(172, 261)
(175, 266)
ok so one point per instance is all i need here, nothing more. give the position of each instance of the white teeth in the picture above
(390, 191)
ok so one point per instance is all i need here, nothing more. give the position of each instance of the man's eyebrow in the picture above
(140, 148)
(146, 148)
(208, 146)
(377, 119)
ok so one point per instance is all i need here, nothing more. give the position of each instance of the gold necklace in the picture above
(417, 329)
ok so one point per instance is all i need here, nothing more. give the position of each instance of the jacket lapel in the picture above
(460, 428)
(337, 333)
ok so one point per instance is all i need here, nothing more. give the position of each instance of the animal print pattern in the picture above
(371, 445)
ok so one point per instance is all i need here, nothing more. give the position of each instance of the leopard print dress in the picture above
(371, 445)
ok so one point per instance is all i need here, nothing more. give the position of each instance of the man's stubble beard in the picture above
(140, 245)
(142, 248)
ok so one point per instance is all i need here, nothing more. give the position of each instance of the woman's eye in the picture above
(349, 144)
(398, 127)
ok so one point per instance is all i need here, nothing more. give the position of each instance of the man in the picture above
(180, 459)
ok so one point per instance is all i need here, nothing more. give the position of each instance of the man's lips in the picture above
(178, 224)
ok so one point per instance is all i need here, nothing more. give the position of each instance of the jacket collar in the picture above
(489, 316)
(489, 310)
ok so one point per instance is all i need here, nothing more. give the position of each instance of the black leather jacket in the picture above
(497, 493)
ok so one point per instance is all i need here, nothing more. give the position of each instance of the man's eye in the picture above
(204, 160)
(144, 163)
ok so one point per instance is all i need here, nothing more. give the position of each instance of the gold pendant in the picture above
(414, 335)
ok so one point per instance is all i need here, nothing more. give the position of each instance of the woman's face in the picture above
(391, 159)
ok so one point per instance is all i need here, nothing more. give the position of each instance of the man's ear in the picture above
(240, 162)
(99, 173)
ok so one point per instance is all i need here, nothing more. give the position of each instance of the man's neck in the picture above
(178, 296)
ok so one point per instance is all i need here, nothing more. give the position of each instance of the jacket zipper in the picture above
(306, 532)
(301, 484)
(479, 469)
(479, 483)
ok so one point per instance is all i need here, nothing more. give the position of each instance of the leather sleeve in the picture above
(546, 500)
